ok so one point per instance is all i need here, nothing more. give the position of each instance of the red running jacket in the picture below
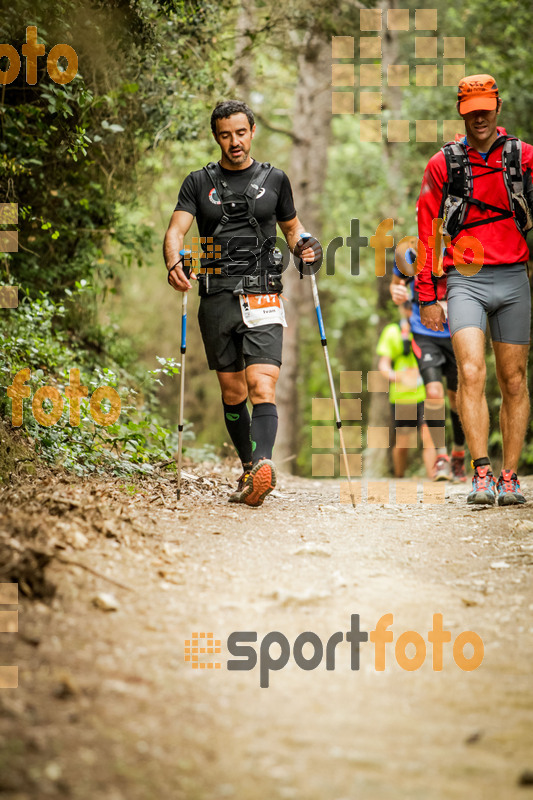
(502, 241)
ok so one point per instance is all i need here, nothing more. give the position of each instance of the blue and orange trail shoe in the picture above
(235, 497)
(508, 487)
(483, 487)
(260, 482)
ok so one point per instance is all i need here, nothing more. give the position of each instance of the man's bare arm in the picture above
(179, 225)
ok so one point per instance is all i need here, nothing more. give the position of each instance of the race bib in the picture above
(262, 309)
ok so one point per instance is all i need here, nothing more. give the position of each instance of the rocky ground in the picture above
(115, 576)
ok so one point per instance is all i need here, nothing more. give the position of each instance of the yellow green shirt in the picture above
(391, 344)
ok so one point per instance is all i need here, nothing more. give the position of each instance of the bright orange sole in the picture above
(263, 478)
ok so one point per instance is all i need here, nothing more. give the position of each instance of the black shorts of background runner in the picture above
(435, 358)
(230, 345)
(398, 412)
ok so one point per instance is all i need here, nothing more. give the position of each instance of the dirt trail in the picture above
(107, 708)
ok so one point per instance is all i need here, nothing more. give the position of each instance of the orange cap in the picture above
(477, 93)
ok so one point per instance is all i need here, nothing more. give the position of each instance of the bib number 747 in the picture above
(262, 309)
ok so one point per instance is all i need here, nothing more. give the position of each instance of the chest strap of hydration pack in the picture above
(458, 195)
(259, 176)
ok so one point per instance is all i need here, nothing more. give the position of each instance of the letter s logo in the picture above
(236, 649)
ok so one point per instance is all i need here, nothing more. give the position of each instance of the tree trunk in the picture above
(311, 128)
(242, 76)
(378, 461)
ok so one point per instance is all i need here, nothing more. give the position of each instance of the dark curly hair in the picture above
(226, 108)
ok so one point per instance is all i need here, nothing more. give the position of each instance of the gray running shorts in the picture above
(501, 293)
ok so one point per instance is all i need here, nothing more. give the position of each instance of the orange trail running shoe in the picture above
(260, 482)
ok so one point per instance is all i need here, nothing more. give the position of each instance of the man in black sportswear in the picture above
(237, 203)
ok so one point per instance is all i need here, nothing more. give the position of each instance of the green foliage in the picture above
(95, 166)
(34, 337)
(68, 153)
(68, 157)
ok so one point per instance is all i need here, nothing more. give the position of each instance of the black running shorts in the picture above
(435, 358)
(230, 345)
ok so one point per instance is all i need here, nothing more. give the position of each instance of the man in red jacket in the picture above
(486, 264)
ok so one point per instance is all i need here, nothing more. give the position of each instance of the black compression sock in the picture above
(481, 462)
(237, 419)
(458, 433)
(264, 429)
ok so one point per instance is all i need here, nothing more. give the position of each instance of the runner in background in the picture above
(398, 364)
(436, 361)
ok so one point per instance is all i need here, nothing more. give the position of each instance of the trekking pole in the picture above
(304, 237)
(186, 269)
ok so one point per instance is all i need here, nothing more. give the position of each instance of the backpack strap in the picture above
(460, 185)
(460, 181)
(216, 176)
(259, 176)
(458, 192)
(252, 190)
(512, 164)
(258, 179)
(520, 200)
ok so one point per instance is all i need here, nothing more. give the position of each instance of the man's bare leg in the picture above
(469, 348)
(435, 400)
(511, 370)
(261, 381)
(435, 406)
(399, 456)
(233, 386)
(429, 454)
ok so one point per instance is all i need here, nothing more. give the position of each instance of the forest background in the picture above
(95, 166)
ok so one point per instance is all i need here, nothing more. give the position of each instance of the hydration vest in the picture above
(264, 281)
(227, 196)
(458, 191)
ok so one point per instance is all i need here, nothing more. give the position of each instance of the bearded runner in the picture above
(237, 202)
